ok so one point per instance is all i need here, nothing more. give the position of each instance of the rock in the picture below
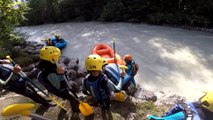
(28, 68)
(33, 73)
(79, 81)
(36, 51)
(29, 48)
(30, 51)
(31, 43)
(147, 95)
(17, 48)
(71, 74)
(81, 73)
(131, 116)
(82, 69)
(74, 86)
(72, 65)
(65, 60)
(74, 60)
(168, 98)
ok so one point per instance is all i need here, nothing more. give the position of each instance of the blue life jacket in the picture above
(94, 87)
(113, 73)
(5, 72)
(15, 82)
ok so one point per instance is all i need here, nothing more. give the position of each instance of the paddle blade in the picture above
(123, 67)
(85, 109)
(16, 109)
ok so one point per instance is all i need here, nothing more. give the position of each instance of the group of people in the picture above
(53, 41)
(96, 84)
(53, 78)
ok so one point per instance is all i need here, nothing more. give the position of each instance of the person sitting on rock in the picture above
(11, 80)
(97, 85)
(53, 77)
(200, 110)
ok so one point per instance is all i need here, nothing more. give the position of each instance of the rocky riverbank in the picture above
(135, 107)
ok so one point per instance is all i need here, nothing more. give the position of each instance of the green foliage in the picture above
(114, 11)
(174, 12)
(11, 15)
(149, 108)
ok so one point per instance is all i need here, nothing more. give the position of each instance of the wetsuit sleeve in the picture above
(54, 80)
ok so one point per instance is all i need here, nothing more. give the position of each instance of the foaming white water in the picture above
(189, 74)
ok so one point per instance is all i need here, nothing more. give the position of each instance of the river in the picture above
(170, 59)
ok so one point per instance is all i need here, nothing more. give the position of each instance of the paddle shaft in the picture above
(115, 53)
(24, 76)
(114, 50)
(38, 117)
(72, 93)
(67, 82)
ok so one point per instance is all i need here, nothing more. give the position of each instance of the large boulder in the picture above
(72, 74)
(145, 95)
(28, 68)
(81, 73)
(72, 65)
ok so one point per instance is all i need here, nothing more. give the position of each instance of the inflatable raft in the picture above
(105, 51)
(59, 44)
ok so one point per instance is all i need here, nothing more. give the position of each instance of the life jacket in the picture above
(113, 73)
(94, 87)
(6, 71)
(42, 78)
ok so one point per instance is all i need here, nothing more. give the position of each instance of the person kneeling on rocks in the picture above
(11, 80)
(200, 110)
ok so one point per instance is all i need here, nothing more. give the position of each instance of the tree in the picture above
(11, 15)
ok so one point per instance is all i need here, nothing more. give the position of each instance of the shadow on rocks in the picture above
(41, 110)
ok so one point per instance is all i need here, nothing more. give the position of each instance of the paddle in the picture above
(22, 109)
(23, 75)
(84, 108)
(119, 96)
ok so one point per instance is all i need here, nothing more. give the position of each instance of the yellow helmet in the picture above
(120, 96)
(50, 53)
(94, 62)
(207, 101)
(105, 61)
